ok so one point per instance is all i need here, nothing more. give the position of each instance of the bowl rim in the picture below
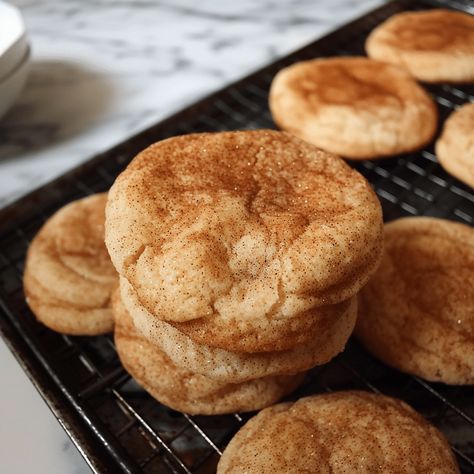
(24, 60)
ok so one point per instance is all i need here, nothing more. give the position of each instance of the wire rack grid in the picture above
(115, 424)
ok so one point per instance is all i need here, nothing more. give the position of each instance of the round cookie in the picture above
(416, 313)
(241, 226)
(342, 432)
(433, 46)
(455, 147)
(68, 276)
(226, 366)
(186, 391)
(353, 106)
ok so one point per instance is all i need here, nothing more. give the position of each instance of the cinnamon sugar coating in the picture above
(184, 390)
(341, 432)
(239, 228)
(434, 45)
(455, 146)
(68, 276)
(416, 313)
(231, 367)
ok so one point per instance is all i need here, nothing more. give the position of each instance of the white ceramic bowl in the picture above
(12, 85)
(13, 40)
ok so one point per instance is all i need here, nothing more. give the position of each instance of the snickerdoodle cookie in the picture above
(455, 147)
(342, 432)
(416, 313)
(434, 45)
(353, 106)
(227, 366)
(68, 275)
(184, 390)
(241, 227)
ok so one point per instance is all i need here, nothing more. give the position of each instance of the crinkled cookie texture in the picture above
(226, 366)
(69, 277)
(264, 334)
(416, 313)
(455, 147)
(184, 390)
(240, 226)
(342, 432)
(433, 46)
(353, 106)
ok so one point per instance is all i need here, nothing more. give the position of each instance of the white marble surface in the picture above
(101, 71)
(31, 440)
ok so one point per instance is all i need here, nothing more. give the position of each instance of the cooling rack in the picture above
(119, 428)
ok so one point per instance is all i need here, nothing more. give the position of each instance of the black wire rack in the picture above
(115, 424)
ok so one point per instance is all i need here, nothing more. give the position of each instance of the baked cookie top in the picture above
(341, 432)
(251, 224)
(353, 106)
(416, 313)
(68, 275)
(433, 45)
(455, 147)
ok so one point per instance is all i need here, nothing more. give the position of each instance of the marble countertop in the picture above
(100, 72)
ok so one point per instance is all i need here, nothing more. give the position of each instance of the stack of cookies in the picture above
(240, 255)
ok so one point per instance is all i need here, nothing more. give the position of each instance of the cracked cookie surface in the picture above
(239, 228)
(227, 366)
(416, 313)
(68, 276)
(184, 390)
(341, 432)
